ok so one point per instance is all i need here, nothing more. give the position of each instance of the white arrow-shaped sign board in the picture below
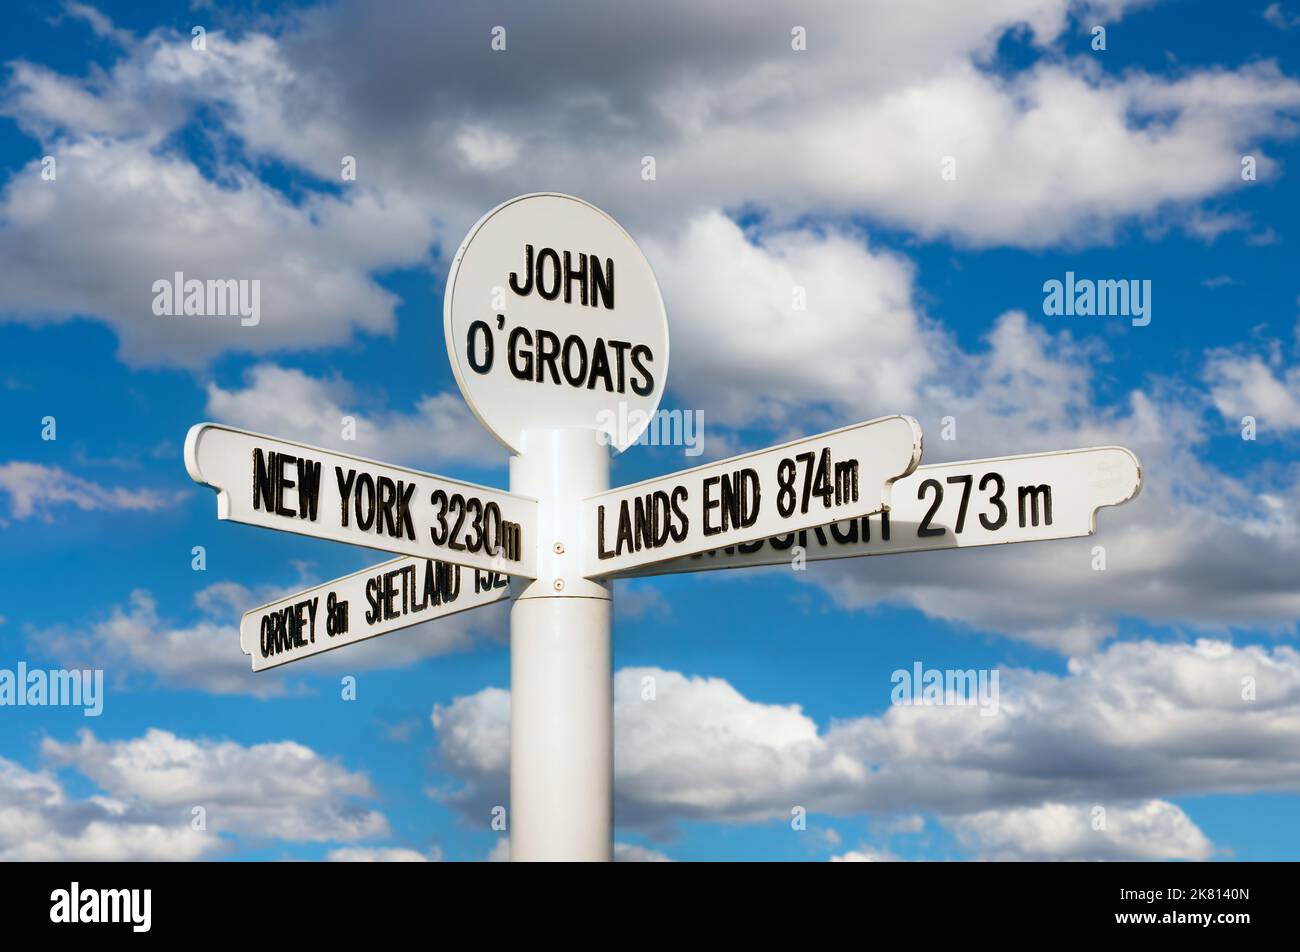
(843, 474)
(278, 484)
(386, 597)
(1029, 498)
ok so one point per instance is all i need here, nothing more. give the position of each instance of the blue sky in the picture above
(774, 168)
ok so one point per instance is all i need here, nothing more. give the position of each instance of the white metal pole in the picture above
(561, 696)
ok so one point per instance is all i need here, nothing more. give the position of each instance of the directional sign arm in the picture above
(386, 597)
(1031, 498)
(843, 474)
(280, 484)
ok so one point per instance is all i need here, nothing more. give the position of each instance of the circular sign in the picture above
(554, 319)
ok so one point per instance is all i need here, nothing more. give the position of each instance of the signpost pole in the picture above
(561, 695)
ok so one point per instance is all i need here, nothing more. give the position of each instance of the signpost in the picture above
(388, 597)
(844, 474)
(279, 484)
(557, 336)
(1029, 498)
(554, 319)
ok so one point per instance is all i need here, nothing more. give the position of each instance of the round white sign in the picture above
(554, 319)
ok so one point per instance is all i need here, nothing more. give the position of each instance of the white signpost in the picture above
(557, 336)
(554, 319)
(1029, 498)
(844, 474)
(388, 597)
(279, 484)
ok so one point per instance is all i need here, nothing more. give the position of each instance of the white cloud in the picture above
(743, 353)
(36, 490)
(1152, 830)
(475, 736)
(1057, 152)
(1251, 385)
(660, 749)
(636, 600)
(290, 404)
(122, 214)
(366, 854)
(149, 786)
(865, 854)
(485, 150)
(632, 853)
(133, 638)
(205, 654)
(1135, 723)
(40, 822)
(279, 790)
(100, 24)
(1280, 18)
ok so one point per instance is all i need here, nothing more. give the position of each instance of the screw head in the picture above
(559, 585)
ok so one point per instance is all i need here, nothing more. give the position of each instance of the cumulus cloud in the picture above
(1151, 830)
(772, 327)
(1058, 151)
(279, 790)
(136, 641)
(475, 748)
(632, 853)
(41, 822)
(1138, 722)
(865, 854)
(37, 490)
(290, 404)
(859, 122)
(1255, 385)
(133, 638)
(123, 215)
(148, 787)
(381, 854)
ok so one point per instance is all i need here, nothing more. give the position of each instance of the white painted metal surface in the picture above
(554, 319)
(279, 484)
(383, 598)
(1030, 498)
(843, 474)
(561, 703)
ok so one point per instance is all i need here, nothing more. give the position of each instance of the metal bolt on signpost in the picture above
(558, 339)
